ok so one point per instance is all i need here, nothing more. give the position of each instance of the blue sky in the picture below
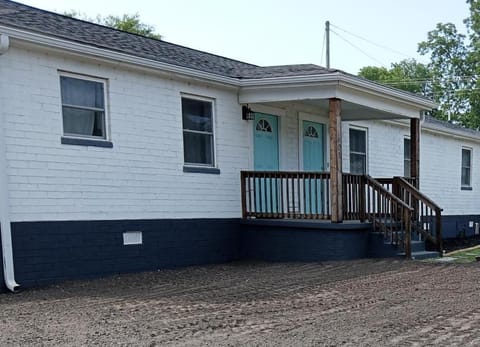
(275, 32)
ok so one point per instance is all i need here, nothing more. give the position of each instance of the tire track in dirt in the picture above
(367, 302)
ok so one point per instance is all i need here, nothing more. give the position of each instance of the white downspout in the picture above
(6, 232)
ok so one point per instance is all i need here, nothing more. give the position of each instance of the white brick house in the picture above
(98, 146)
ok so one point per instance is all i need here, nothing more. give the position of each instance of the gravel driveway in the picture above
(357, 303)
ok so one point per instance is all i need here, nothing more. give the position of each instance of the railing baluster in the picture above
(298, 197)
(307, 195)
(269, 182)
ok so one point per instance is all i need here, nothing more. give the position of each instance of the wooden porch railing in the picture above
(393, 205)
(427, 215)
(287, 194)
(389, 215)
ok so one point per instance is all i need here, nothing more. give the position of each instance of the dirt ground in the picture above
(358, 303)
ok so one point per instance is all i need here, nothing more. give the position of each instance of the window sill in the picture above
(467, 188)
(86, 142)
(199, 169)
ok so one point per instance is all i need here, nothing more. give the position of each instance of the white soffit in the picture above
(381, 102)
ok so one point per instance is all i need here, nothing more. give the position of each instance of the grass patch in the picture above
(465, 255)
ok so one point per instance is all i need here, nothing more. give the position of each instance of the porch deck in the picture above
(302, 201)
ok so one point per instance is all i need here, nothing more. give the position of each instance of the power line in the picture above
(433, 80)
(356, 47)
(453, 78)
(372, 42)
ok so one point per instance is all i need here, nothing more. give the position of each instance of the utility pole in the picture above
(327, 42)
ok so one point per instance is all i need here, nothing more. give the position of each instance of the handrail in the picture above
(376, 183)
(389, 214)
(289, 174)
(393, 205)
(418, 194)
(427, 215)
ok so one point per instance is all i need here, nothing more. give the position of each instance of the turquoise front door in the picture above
(265, 142)
(313, 160)
(265, 129)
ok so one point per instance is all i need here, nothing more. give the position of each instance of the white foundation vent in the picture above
(132, 238)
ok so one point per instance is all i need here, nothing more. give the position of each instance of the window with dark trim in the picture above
(198, 141)
(407, 172)
(466, 168)
(83, 107)
(358, 151)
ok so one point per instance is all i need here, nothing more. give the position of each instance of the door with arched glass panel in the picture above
(265, 129)
(313, 160)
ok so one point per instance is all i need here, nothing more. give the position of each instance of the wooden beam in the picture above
(336, 185)
(415, 150)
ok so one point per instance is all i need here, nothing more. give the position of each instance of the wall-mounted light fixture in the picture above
(247, 113)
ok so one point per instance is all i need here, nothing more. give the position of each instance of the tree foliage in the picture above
(407, 74)
(451, 76)
(128, 22)
(452, 71)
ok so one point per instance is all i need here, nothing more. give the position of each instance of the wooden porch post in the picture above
(415, 150)
(415, 163)
(336, 184)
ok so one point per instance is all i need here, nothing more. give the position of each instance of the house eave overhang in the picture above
(384, 100)
(394, 103)
(455, 133)
(110, 55)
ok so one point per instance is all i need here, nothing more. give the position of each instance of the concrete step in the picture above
(381, 248)
(421, 255)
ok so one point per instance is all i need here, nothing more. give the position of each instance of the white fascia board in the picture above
(284, 92)
(437, 129)
(83, 49)
(388, 105)
(275, 83)
(387, 92)
(444, 131)
(350, 83)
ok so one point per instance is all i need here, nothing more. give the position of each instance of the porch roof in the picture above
(361, 99)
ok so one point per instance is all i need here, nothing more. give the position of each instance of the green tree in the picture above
(408, 75)
(128, 22)
(454, 61)
(452, 71)
(451, 76)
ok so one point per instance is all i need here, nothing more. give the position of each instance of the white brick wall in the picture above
(440, 158)
(440, 163)
(440, 173)
(384, 147)
(142, 175)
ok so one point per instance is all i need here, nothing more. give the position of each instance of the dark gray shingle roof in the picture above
(32, 19)
(449, 125)
(282, 70)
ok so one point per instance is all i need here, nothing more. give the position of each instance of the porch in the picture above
(319, 189)
(393, 208)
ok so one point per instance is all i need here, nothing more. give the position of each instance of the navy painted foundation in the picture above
(48, 252)
(2, 282)
(457, 226)
(271, 240)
